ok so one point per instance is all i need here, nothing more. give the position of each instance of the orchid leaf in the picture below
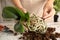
(27, 17)
(8, 12)
(19, 27)
(11, 12)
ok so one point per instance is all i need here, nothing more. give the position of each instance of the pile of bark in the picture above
(30, 35)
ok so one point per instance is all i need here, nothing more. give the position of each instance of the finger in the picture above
(52, 12)
(25, 11)
(45, 12)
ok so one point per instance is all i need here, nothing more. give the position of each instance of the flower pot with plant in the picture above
(57, 9)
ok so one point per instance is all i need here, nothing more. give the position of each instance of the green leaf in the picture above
(9, 13)
(19, 27)
(20, 12)
(57, 5)
(56, 8)
(27, 17)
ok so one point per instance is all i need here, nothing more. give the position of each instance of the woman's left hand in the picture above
(48, 10)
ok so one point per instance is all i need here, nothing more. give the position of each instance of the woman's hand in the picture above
(48, 10)
(18, 4)
(24, 10)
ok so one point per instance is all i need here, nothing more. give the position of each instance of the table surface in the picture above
(7, 36)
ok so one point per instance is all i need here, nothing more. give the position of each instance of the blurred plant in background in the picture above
(57, 5)
(57, 9)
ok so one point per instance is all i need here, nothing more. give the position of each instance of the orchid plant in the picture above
(16, 14)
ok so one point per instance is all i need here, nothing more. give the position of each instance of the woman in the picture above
(42, 8)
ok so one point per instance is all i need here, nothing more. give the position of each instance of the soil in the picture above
(30, 35)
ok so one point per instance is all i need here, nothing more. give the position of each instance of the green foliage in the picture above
(57, 5)
(15, 13)
(9, 12)
(27, 17)
(19, 27)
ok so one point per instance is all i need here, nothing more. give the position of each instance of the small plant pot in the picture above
(56, 18)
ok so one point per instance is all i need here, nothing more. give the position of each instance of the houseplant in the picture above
(18, 15)
(34, 23)
(57, 9)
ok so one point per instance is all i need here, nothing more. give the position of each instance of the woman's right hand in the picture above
(24, 10)
(18, 4)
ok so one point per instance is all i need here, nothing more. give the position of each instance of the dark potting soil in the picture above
(37, 36)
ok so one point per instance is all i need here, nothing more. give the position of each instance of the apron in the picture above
(34, 6)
